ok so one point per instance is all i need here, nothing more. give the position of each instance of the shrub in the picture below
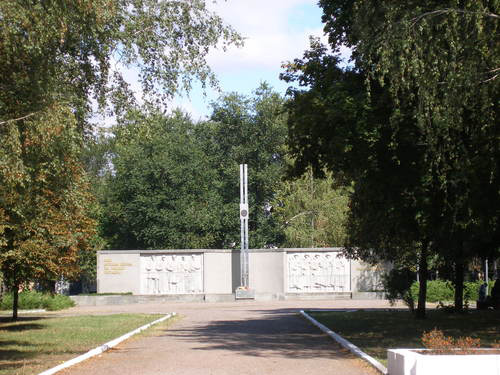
(397, 284)
(29, 300)
(57, 302)
(444, 291)
(441, 344)
(437, 290)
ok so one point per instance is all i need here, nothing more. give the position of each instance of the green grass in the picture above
(376, 331)
(34, 344)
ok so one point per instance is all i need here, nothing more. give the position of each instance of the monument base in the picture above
(244, 293)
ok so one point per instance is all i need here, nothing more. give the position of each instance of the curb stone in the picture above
(101, 349)
(346, 344)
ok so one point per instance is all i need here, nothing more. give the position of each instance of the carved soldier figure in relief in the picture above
(305, 273)
(340, 271)
(329, 272)
(163, 274)
(196, 272)
(316, 273)
(153, 276)
(183, 274)
(148, 267)
(173, 277)
(293, 271)
(188, 274)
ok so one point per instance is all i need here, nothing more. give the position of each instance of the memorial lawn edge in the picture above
(346, 344)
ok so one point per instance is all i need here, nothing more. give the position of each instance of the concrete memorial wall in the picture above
(274, 273)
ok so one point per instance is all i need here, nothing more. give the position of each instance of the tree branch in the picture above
(19, 118)
(450, 10)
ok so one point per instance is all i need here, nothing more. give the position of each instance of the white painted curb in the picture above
(346, 344)
(101, 349)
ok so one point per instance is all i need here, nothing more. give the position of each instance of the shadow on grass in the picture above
(277, 335)
(377, 331)
(21, 327)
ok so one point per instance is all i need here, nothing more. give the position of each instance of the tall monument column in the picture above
(244, 291)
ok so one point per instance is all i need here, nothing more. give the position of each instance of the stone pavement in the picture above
(248, 338)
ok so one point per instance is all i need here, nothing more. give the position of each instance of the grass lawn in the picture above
(376, 331)
(34, 344)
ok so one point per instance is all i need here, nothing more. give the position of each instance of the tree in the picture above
(71, 50)
(312, 211)
(422, 144)
(249, 130)
(442, 58)
(162, 192)
(335, 124)
(175, 183)
(57, 56)
(44, 200)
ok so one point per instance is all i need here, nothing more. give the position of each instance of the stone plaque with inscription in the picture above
(115, 268)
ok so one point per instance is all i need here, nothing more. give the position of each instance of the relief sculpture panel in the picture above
(171, 274)
(316, 272)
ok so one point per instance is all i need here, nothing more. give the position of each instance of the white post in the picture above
(244, 225)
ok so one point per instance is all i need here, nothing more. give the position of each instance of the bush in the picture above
(398, 285)
(441, 344)
(29, 300)
(444, 291)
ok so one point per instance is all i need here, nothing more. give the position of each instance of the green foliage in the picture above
(63, 50)
(312, 211)
(444, 291)
(398, 286)
(437, 290)
(175, 184)
(249, 130)
(44, 197)
(163, 190)
(413, 124)
(30, 300)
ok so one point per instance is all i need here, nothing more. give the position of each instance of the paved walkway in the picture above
(247, 338)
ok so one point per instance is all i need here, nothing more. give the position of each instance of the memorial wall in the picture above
(274, 273)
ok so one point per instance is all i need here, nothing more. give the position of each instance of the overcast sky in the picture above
(275, 31)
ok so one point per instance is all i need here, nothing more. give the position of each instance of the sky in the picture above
(275, 31)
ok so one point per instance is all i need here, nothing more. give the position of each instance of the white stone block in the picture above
(413, 362)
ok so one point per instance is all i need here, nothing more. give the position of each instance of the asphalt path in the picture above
(245, 337)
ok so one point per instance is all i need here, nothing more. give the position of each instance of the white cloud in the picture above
(263, 51)
(270, 39)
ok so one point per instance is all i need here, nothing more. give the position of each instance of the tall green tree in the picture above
(334, 124)
(174, 183)
(425, 131)
(44, 198)
(69, 51)
(312, 211)
(248, 130)
(162, 191)
(443, 58)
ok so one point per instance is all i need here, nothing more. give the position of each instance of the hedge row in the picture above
(444, 291)
(35, 300)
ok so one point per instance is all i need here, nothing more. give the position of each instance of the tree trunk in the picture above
(15, 302)
(459, 285)
(423, 273)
